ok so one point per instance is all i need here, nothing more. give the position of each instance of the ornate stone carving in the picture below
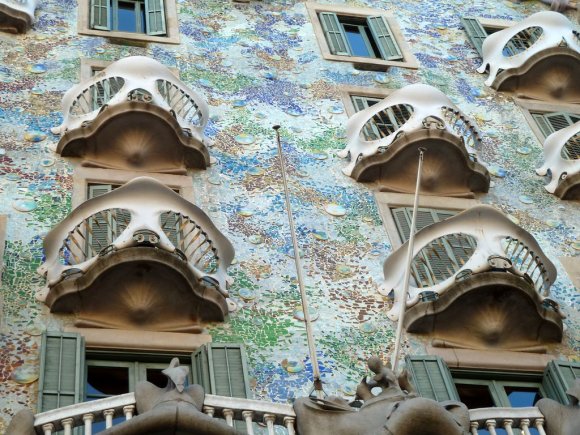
(394, 411)
(382, 143)
(16, 16)
(562, 419)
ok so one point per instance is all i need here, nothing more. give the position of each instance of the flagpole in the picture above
(403, 299)
(307, 321)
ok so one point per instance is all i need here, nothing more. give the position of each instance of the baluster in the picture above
(128, 411)
(229, 415)
(490, 424)
(473, 427)
(88, 419)
(108, 413)
(67, 425)
(289, 423)
(539, 423)
(209, 410)
(270, 419)
(48, 428)
(524, 425)
(248, 416)
(507, 424)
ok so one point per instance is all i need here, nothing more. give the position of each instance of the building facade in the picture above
(144, 214)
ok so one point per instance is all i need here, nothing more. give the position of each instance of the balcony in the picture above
(139, 257)
(135, 115)
(16, 16)
(383, 142)
(562, 162)
(537, 58)
(469, 272)
(275, 417)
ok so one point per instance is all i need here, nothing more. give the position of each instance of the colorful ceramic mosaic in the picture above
(258, 64)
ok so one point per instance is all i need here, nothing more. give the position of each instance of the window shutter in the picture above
(543, 124)
(155, 17)
(100, 13)
(101, 224)
(221, 369)
(384, 38)
(559, 120)
(61, 370)
(475, 32)
(334, 33)
(431, 377)
(558, 377)
(359, 103)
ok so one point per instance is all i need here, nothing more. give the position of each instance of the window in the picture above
(547, 118)
(481, 389)
(362, 36)
(478, 29)
(383, 123)
(70, 374)
(145, 20)
(353, 96)
(107, 225)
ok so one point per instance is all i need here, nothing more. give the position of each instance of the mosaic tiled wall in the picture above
(258, 64)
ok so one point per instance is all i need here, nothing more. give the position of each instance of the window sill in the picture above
(371, 64)
(129, 36)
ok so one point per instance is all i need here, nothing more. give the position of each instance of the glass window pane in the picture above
(522, 396)
(106, 381)
(356, 40)
(127, 17)
(475, 396)
(156, 377)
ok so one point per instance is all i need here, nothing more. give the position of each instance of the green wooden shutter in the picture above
(170, 224)
(558, 377)
(334, 33)
(543, 124)
(384, 38)
(551, 122)
(155, 17)
(100, 13)
(475, 32)
(61, 370)
(359, 103)
(221, 369)
(431, 377)
(101, 224)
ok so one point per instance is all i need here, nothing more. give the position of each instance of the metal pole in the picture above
(303, 297)
(396, 350)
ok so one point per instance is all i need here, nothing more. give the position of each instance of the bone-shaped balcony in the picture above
(135, 114)
(16, 16)
(383, 142)
(477, 280)
(562, 162)
(538, 58)
(138, 257)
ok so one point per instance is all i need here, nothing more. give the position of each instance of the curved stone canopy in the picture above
(396, 168)
(392, 160)
(565, 172)
(140, 288)
(16, 16)
(547, 70)
(478, 313)
(84, 281)
(489, 228)
(135, 115)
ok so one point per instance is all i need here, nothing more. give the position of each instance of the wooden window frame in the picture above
(347, 92)
(374, 64)
(387, 201)
(528, 107)
(171, 26)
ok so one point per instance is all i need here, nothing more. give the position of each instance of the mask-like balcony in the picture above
(136, 115)
(537, 58)
(383, 142)
(562, 162)
(16, 16)
(140, 257)
(477, 281)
